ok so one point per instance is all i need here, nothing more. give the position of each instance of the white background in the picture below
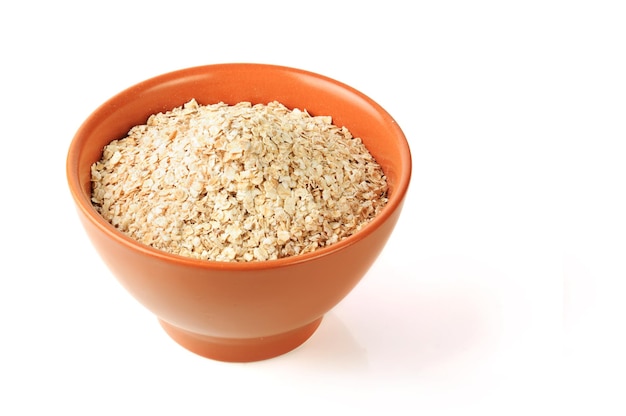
(501, 290)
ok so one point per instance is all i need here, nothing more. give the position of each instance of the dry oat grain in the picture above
(238, 183)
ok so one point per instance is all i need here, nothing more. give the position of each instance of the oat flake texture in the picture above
(238, 183)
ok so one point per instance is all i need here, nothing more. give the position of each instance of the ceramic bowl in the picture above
(241, 311)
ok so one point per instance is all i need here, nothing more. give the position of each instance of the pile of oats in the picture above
(238, 183)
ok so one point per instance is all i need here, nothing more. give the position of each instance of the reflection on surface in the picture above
(443, 314)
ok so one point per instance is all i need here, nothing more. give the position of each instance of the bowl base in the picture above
(241, 349)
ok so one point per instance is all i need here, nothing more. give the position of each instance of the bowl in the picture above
(240, 311)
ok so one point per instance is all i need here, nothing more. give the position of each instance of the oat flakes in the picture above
(238, 183)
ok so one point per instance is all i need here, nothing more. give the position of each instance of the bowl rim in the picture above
(84, 205)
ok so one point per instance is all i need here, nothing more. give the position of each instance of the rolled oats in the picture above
(238, 183)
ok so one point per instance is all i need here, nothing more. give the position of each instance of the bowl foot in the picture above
(241, 349)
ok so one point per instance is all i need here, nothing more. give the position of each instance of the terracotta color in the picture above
(240, 311)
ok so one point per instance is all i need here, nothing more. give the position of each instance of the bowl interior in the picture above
(233, 83)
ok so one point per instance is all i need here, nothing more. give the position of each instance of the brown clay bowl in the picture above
(240, 311)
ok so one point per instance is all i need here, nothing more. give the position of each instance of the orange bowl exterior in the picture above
(240, 311)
